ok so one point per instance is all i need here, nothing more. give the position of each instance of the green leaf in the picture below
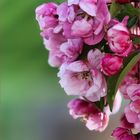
(114, 82)
(132, 21)
(115, 9)
(100, 103)
(119, 11)
(136, 40)
(131, 10)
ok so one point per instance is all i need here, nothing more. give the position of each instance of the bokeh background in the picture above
(32, 104)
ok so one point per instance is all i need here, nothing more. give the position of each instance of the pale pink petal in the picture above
(94, 58)
(77, 66)
(81, 28)
(89, 6)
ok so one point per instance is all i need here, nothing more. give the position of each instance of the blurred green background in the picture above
(32, 104)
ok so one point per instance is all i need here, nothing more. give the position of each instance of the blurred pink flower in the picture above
(132, 113)
(128, 80)
(83, 79)
(123, 134)
(111, 64)
(133, 91)
(81, 108)
(93, 117)
(98, 121)
(125, 124)
(119, 39)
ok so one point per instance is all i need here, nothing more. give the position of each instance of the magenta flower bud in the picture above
(119, 39)
(111, 64)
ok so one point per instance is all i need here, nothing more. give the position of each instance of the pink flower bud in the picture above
(119, 39)
(111, 64)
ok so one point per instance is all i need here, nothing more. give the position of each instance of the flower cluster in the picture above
(88, 47)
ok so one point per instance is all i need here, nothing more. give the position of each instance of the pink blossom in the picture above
(128, 80)
(133, 91)
(92, 30)
(132, 113)
(111, 64)
(119, 39)
(81, 28)
(93, 117)
(52, 40)
(65, 12)
(125, 124)
(89, 6)
(63, 52)
(83, 79)
(123, 134)
(46, 15)
(81, 108)
(94, 58)
(98, 121)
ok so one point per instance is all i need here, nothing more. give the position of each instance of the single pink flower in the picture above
(119, 39)
(46, 15)
(91, 29)
(123, 134)
(90, 113)
(111, 64)
(83, 78)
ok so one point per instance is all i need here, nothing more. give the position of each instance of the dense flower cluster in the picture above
(89, 46)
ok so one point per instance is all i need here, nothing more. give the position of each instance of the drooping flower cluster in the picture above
(89, 46)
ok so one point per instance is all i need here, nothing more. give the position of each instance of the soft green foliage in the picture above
(136, 40)
(26, 80)
(132, 21)
(119, 11)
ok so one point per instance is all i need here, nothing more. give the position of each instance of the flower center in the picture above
(86, 75)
